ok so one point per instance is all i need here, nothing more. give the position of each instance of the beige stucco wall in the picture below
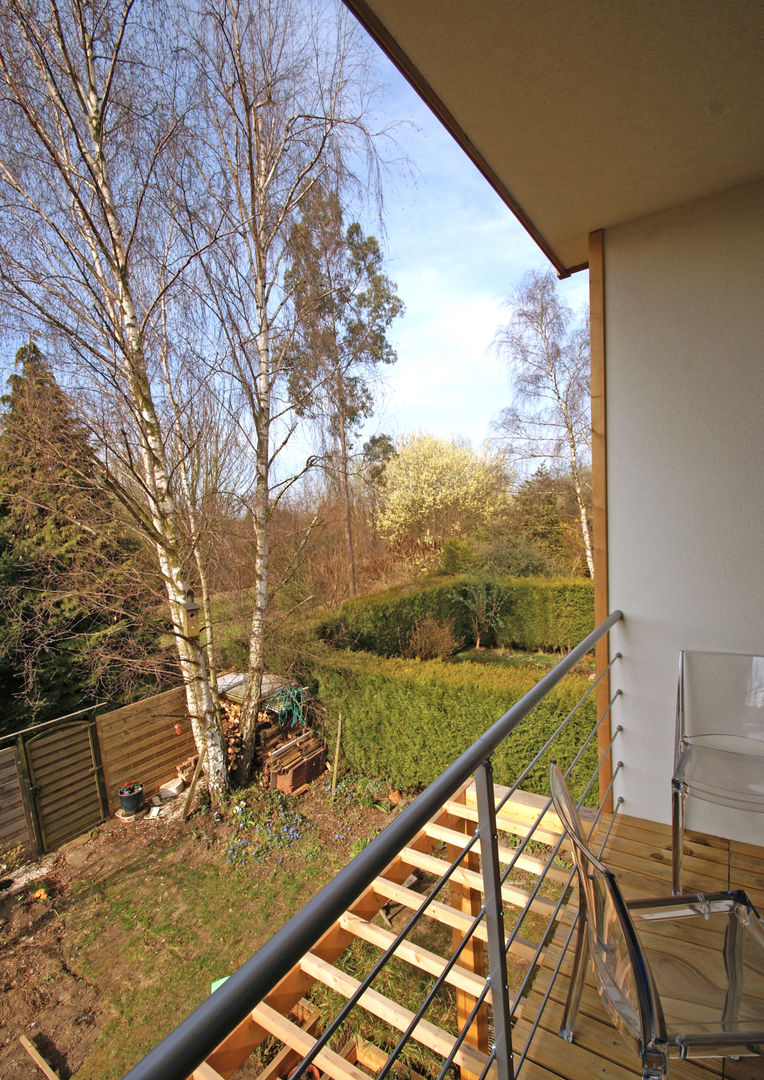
(685, 421)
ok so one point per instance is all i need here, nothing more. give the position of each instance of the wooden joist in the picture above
(206, 1072)
(429, 1035)
(293, 1036)
(524, 862)
(511, 894)
(416, 955)
(287, 1058)
(445, 914)
(639, 851)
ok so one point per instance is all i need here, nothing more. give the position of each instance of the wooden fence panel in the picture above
(138, 742)
(62, 768)
(15, 826)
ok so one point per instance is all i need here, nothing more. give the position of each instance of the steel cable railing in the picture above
(573, 926)
(202, 1031)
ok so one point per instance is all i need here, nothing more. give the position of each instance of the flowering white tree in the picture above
(434, 489)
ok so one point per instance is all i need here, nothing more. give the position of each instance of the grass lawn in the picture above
(125, 932)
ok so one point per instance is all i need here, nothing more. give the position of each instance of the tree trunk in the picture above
(347, 504)
(204, 719)
(262, 514)
(580, 502)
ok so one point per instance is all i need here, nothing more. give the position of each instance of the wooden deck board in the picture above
(640, 854)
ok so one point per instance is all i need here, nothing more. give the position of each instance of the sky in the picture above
(455, 251)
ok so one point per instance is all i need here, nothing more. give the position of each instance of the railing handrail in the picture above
(194, 1039)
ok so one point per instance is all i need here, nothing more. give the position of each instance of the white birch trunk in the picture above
(204, 720)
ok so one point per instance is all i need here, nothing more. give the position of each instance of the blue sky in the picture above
(455, 252)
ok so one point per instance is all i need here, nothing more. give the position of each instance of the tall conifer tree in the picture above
(70, 589)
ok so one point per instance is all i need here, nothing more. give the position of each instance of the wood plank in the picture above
(287, 1058)
(598, 386)
(429, 1035)
(289, 1033)
(468, 900)
(38, 1059)
(370, 1055)
(444, 913)
(511, 894)
(236, 1047)
(459, 976)
(518, 815)
(206, 1072)
(524, 862)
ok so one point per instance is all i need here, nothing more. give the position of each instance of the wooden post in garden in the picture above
(336, 756)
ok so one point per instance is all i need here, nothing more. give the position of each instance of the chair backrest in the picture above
(625, 981)
(720, 701)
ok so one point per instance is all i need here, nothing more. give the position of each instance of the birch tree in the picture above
(91, 133)
(547, 354)
(283, 91)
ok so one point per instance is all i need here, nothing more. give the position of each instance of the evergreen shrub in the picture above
(536, 614)
(405, 721)
(544, 615)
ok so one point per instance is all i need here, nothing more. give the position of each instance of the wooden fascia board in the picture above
(599, 492)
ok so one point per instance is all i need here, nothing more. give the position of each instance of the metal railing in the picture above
(185, 1048)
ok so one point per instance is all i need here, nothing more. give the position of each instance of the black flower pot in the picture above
(133, 802)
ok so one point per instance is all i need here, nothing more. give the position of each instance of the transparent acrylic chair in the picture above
(682, 977)
(719, 749)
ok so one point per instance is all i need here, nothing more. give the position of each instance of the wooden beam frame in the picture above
(599, 491)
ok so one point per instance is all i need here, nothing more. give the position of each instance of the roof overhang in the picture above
(587, 114)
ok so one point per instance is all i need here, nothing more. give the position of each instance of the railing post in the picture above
(497, 956)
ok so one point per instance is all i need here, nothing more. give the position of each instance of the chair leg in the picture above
(677, 836)
(655, 1069)
(733, 962)
(577, 979)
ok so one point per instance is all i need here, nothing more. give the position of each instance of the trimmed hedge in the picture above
(405, 721)
(536, 614)
(546, 615)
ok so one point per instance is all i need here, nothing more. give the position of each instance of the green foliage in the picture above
(483, 600)
(534, 614)
(457, 557)
(546, 615)
(345, 305)
(405, 721)
(75, 612)
(384, 622)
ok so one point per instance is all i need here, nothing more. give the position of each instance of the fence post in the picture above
(497, 955)
(29, 793)
(95, 750)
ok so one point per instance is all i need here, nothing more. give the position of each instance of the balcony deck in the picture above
(639, 851)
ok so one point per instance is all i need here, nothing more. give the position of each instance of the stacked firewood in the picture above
(231, 711)
(289, 758)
